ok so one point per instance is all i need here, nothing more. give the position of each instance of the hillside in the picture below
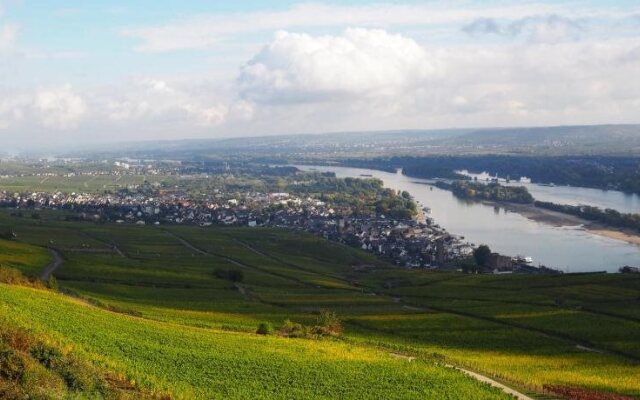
(542, 141)
(157, 308)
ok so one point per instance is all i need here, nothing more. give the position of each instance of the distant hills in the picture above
(555, 140)
(590, 139)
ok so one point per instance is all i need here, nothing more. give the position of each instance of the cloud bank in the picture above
(316, 67)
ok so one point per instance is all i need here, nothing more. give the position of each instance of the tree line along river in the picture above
(568, 248)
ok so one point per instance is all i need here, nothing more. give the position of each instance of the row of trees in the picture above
(607, 216)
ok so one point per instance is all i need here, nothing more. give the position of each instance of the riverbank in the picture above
(625, 236)
(558, 219)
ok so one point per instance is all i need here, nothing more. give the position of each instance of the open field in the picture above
(161, 288)
(79, 183)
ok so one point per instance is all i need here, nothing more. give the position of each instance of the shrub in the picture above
(12, 366)
(47, 356)
(264, 328)
(328, 324)
(52, 283)
(10, 275)
(76, 375)
(233, 275)
(16, 338)
(13, 276)
(294, 330)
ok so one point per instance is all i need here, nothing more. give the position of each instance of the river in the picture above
(568, 248)
(575, 196)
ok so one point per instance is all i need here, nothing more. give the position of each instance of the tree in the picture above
(481, 255)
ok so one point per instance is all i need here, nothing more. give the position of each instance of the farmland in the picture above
(151, 304)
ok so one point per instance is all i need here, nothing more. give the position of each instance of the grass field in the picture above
(147, 302)
(77, 184)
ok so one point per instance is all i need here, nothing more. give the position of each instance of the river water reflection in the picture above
(570, 249)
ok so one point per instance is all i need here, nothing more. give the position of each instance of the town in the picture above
(407, 238)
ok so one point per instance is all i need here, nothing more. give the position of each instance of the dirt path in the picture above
(486, 379)
(52, 266)
(118, 251)
(474, 375)
(187, 244)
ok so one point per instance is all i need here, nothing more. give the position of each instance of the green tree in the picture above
(481, 255)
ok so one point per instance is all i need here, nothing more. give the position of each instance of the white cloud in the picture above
(359, 63)
(148, 100)
(59, 108)
(402, 67)
(367, 79)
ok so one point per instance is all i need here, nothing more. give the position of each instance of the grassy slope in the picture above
(196, 362)
(523, 329)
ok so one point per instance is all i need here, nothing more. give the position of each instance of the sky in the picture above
(90, 72)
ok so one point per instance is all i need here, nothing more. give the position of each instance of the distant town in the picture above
(409, 239)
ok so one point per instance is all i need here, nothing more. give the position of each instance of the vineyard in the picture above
(173, 311)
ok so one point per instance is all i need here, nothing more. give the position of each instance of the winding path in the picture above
(53, 265)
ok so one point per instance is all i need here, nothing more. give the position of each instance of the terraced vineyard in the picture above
(155, 307)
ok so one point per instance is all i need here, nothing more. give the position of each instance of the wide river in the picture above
(575, 196)
(568, 248)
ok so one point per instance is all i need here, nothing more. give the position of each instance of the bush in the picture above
(294, 330)
(16, 338)
(76, 375)
(13, 276)
(264, 328)
(47, 356)
(52, 283)
(12, 366)
(233, 275)
(328, 324)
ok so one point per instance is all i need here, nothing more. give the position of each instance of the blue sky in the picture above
(101, 71)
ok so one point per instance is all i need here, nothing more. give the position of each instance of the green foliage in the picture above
(481, 255)
(12, 366)
(180, 360)
(233, 275)
(265, 328)
(15, 277)
(398, 206)
(469, 265)
(52, 283)
(328, 324)
(46, 355)
(187, 320)
(491, 191)
(294, 330)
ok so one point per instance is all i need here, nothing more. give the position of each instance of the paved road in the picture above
(52, 266)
